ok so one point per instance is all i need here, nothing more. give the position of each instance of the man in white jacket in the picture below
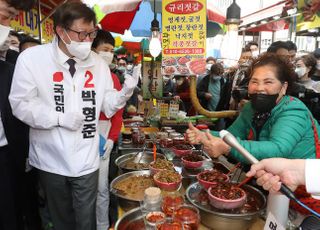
(59, 90)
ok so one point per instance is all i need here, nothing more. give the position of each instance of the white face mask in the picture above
(14, 48)
(80, 50)
(179, 82)
(300, 71)
(165, 79)
(107, 56)
(129, 67)
(208, 67)
(4, 33)
(255, 53)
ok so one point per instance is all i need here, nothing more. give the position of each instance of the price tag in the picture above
(272, 223)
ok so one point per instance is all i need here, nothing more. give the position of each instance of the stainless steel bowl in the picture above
(135, 215)
(146, 157)
(125, 202)
(226, 219)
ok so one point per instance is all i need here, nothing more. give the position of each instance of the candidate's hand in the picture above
(131, 81)
(107, 148)
(271, 172)
(71, 120)
(215, 146)
(194, 135)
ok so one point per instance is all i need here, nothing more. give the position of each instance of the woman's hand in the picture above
(215, 146)
(194, 135)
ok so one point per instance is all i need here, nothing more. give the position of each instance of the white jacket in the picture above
(42, 88)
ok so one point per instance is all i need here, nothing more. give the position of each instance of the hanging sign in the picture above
(184, 37)
(28, 23)
(151, 81)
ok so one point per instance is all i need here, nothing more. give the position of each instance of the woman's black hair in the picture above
(284, 68)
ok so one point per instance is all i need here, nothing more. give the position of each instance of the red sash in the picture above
(301, 192)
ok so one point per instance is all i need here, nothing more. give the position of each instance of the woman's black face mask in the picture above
(262, 103)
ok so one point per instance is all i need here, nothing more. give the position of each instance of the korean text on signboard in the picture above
(183, 37)
(152, 81)
(28, 22)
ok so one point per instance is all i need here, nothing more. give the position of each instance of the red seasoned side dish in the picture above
(170, 204)
(227, 191)
(193, 158)
(155, 217)
(212, 176)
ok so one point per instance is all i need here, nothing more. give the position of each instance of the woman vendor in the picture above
(272, 123)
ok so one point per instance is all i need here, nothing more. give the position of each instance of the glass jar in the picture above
(166, 143)
(138, 138)
(127, 135)
(178, 141)
(162, 135)
(169, 224)
(175, 134)
(152, 199)
(165, 128)
(171, 201)
(154, 220)
(188, 216)
(170, 131)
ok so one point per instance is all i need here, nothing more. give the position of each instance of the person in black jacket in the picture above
(13, 133)
(211, 89)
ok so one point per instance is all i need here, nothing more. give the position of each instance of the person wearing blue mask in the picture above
(59, 90)
(211, 89)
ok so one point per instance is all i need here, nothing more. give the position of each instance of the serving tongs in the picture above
(138, 156)
(229, 139)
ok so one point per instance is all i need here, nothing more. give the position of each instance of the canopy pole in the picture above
(39, 21)
(52, 12)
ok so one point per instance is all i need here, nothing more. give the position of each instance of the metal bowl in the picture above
(125, 202)
(227, 219)
(146, 157)
(133, 216)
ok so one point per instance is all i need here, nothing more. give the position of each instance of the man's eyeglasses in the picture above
(82, 35)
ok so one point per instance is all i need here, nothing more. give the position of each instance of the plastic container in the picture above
(192, 164)
(207, 180)
(224, 203)
(188, 216)
(154, 170)
(167, 186)
(181, 152)
(152, 199)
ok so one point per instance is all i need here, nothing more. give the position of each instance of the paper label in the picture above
(272, 223)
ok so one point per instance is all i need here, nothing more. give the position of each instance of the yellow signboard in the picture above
(310, 15)
(184, 37)
(28, 22)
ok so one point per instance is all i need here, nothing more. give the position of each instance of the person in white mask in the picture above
(13, 133)
(109, 129)
(305, 68)
(316, 75)
(254, 48)
(59, 90)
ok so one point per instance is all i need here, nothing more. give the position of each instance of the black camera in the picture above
(239, 93)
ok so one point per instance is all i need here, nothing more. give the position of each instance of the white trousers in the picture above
(103, 197)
